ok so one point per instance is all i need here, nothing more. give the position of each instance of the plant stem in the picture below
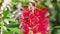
(1, 30)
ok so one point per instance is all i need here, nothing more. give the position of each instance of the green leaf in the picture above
(1, 24)
(13, 30)
(57, 27)
(5, 13)
(53, 16)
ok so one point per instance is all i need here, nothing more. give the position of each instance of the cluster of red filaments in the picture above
(34, 22)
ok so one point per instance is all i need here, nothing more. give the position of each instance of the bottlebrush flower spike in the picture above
(36, 23)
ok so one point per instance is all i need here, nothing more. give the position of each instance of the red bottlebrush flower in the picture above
(37, 22)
